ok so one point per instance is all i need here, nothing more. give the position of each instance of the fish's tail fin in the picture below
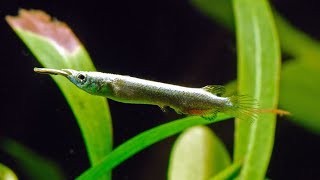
(245, 107)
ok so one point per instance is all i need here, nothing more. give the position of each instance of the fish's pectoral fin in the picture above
(210, 117)
(164, 108)
(215, 89)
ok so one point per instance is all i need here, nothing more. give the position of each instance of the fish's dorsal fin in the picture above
(215, 89)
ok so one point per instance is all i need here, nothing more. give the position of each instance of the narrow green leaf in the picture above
(197, 154)
(231, 172)
(258, 76)
(143, 140)
(6, 173)
(32, 164)
(55, 46)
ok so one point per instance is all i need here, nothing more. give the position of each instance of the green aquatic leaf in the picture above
(6, 173)
(297, 43)
(258, 76)
(197, 154)
(300, 94)
(30, 163)
(219, 10)
(294, 42)
(142, 141)
(55, 46)
(230, 172)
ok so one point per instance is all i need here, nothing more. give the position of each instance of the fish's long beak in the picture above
(63, 72)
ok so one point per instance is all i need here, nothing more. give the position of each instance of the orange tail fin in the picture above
(245, 107)
(274, 111)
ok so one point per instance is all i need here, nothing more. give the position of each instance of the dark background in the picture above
(168, 41)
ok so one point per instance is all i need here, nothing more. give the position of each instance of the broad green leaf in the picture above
(197, 154)
(300, 93)
(230, 172)
(258, 75)
(30, 163)
(143, 140)
(55, 46)
(6, 173)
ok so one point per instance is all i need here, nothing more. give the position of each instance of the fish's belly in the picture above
(198, 105)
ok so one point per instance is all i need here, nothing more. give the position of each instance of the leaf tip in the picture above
(40, 23)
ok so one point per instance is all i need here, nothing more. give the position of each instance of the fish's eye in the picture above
(81, 77)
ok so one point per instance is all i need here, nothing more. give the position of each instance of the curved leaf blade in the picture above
(55, 46)
(6, 173)
(230, 172)
(197, 154)
(258, 76)
(141, 141)
(33, 165)
(300, 94)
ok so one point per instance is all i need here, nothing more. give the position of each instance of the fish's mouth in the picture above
(62, 72)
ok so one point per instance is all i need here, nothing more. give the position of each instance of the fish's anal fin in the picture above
(215, 89)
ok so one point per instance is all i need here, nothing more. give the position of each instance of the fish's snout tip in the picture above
(63, 72)
(36, 69)
(40, 70)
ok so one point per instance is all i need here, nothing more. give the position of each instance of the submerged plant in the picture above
(198, 153)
